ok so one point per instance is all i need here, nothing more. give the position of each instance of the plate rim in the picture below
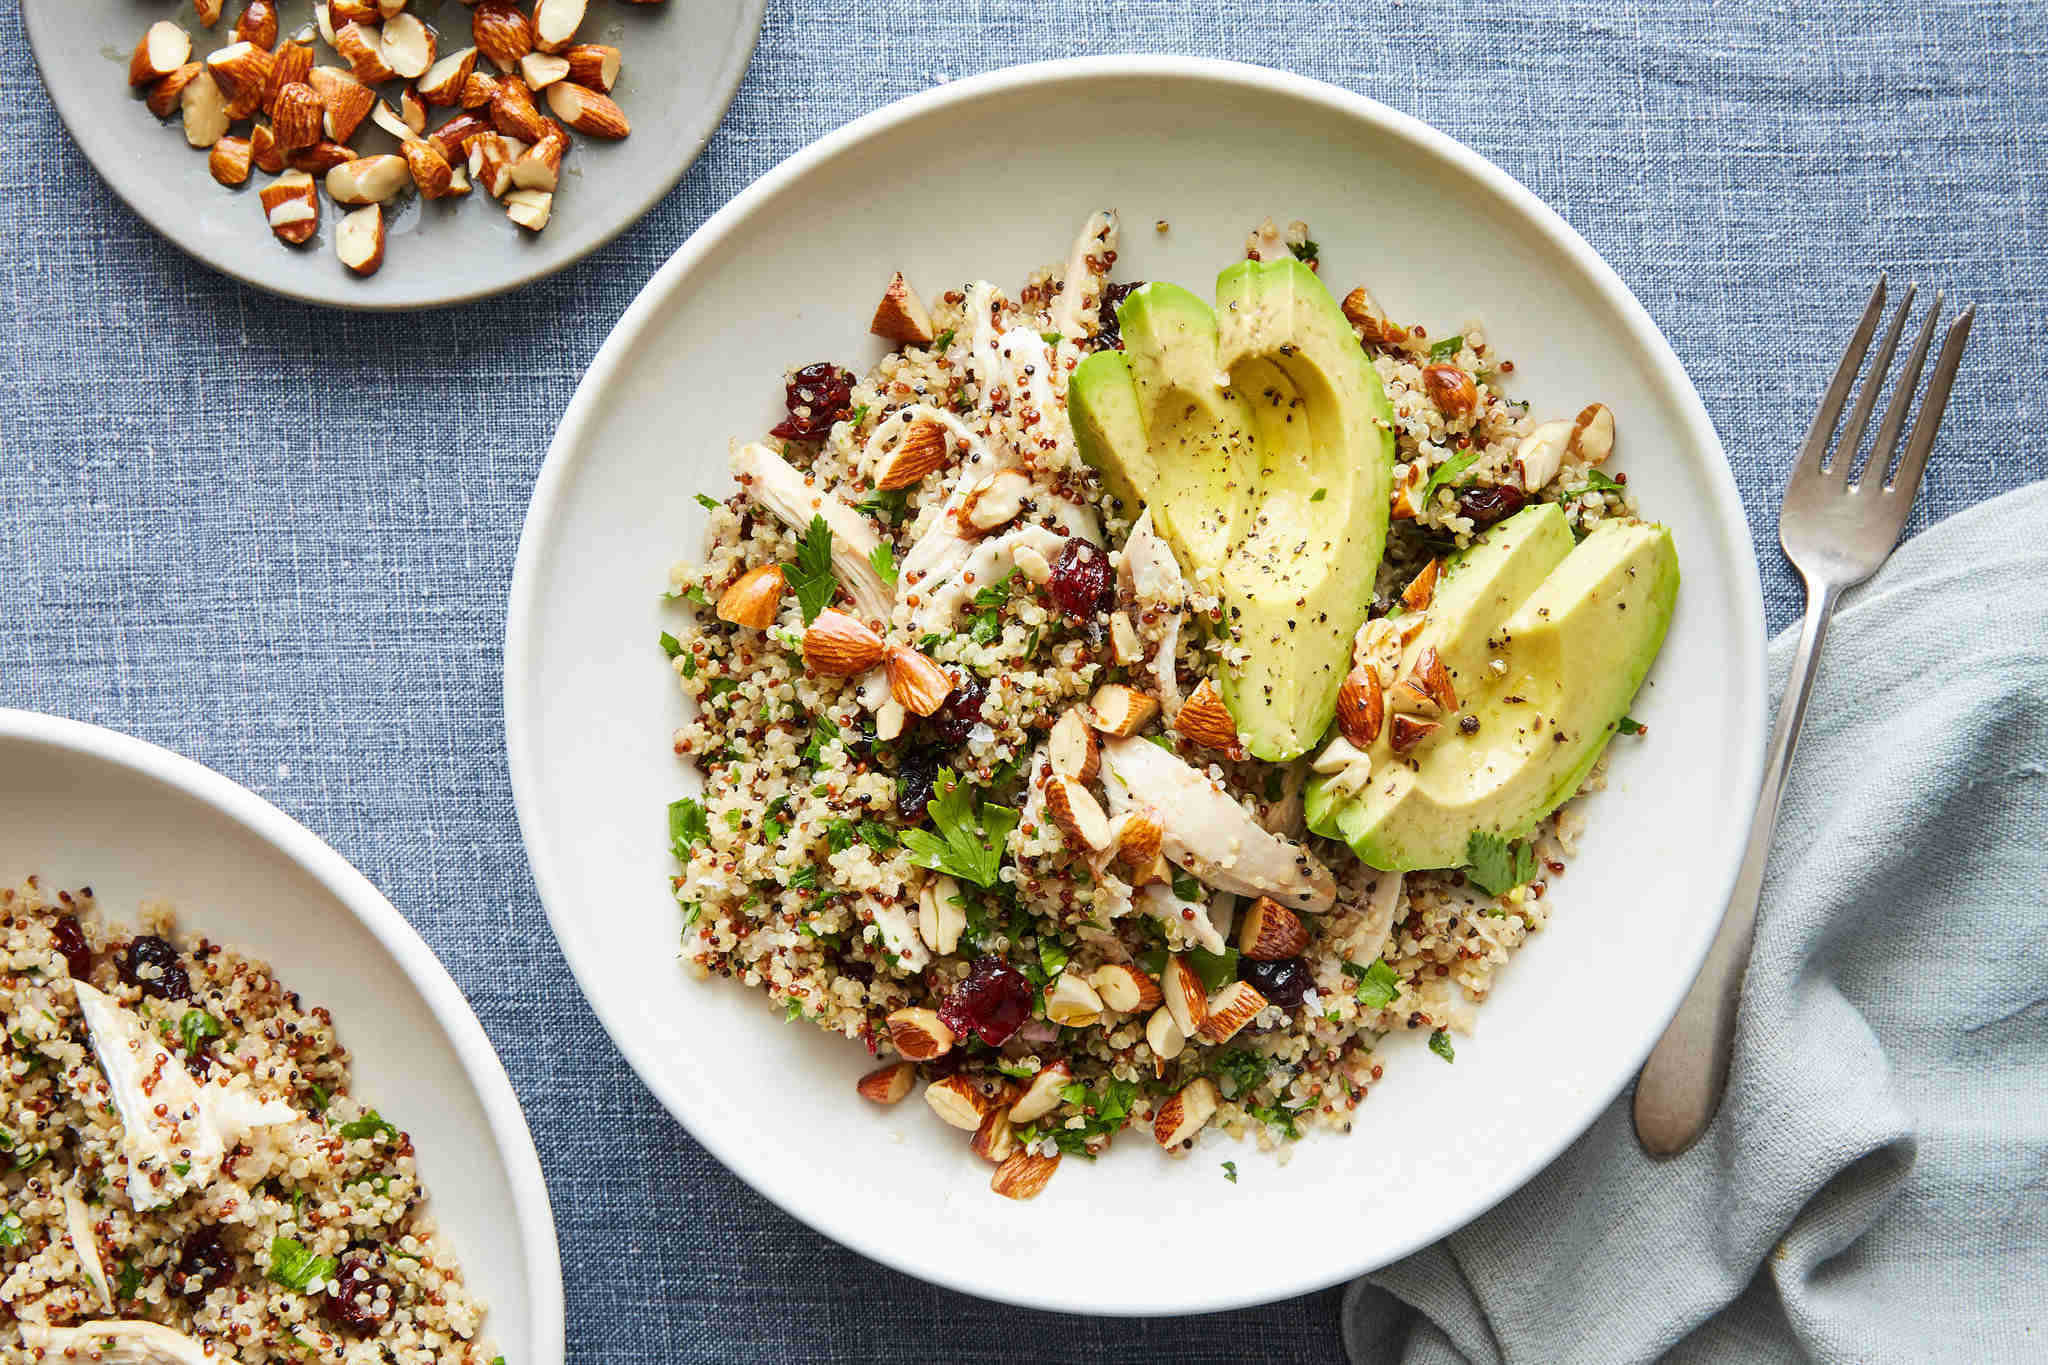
(568, 449)
(697, 134)
(545, 1297)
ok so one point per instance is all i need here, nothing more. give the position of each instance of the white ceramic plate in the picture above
(989, 178)
(83, 806)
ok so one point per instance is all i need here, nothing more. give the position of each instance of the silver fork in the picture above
(1836, 528)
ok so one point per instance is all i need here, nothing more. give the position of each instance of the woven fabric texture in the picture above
(277, 538)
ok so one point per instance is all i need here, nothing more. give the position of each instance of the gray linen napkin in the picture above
(1876, 1185)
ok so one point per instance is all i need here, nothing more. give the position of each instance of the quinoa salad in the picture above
(972, 797)
(185, 1173)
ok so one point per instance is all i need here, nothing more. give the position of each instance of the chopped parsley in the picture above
(1448, 347)
(1185, 886)
(1230, 1171)
(805, 876)
(823, 731)
(1277, 1116)
(988, 603)
(1018, 1070)
(1378, 985)
(943, 340)
(1308, 252)
(1596, 482)
(370, 1125)
(291, 1265)
(968, 844)
(1496, 866)
(1245, 1070)
(1440, 1044)
(1052, 958)
(1446, 473)
(885, 506)
(883, 557)
(1049, 338)
(708, 503)
(858, 415)
(687, 824)
(1319, 495)
(320, 1096)
(131, 1279)
(195, 1028)
(877, 835)
(811, 579)
(670, 645)
(1217, 970)
(12, 1234)
(1629, 725)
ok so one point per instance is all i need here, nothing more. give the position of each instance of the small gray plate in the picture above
(682, 63)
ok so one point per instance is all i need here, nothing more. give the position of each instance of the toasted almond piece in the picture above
(264, 151)
(889, 719)
(412, 111)
(1205, 720)
(555, 23)
(1370, 321)
(292, 206)
(1361, 707)
(529, 208)
(347, 100)
(1165, 1038)
(594, 66)
(390, 9)
(388, 118)
(1034, 564)
(1181, 1117)
(228, 162)
(290, 64)
(1124, 644)
(205, 110)
(1230, 1009)
(362, 47)
(1433, 680)
(1409, 731)
(1406, 499)
(995, 1139)
(1041, 1093)
(208, 11)
(838, 645)
(587, 111)
(450, 138)
(996, 501)
(1421, 589)
(1270, 932)
(166, 97)
(1138, 843)
(1120, 710)
(1072, 1002)
(408, 46)
(754, 596)
(941, 914)
(162, 49)
(887, 1084)
(501, 31)
(324, 21)
(957, 1100)
(478, 89)
(1185, 998)
(242, 70)
(1078, 814)
(1124, 988)
(458, 181)
(915, 681)
(359, 239)
(1540, 454)
(1450, 388)
(320, 158)
(1072, 747)
(1592, 437)
(513, 114)
(442, 82)
(257, 23)
(921, 449)
(367, 179)
(297, 117)
(919, 1034)
(901, 315)
(542, 69)
(341, 12)
(1023, 1174)
(490, 160)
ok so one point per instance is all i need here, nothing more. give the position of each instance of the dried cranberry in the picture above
(816, 396)
(1488, 505)
(205, 1259)
(1082, 583)
(1284, 983)
(914, 778)
(994, 1002)
(1109, 335)
(70, 941)
(960, 713)
(358, 1306)
(168, 979)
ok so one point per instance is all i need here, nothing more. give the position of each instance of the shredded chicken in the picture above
(1077, 312)
(1150, 578)
(1190, 918)
(78, 1222)
(774, 484)
(120, 1342)
(988, 561)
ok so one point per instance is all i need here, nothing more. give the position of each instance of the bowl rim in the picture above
(318, 859)
(570, 447)
(94, 140)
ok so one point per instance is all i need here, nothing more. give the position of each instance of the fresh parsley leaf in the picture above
(371, 1124)
(1496, 866)
(1446, 473)
(1277, 1116)
(1052, 958)
(943, 340)
(968, 844)
(1153, 960)
(987, 628)
(1230, 1171)
(131, 1279)
(1378, 985)
(1307, 252)
(1448, 347)
(811, 579)
(183, 1168)
(670, 645)
(1245, 1070)
(877, 835)
(687, 825)
(1019, 1070)
(1185, 886)
(1049, 338)
(995, 594)
(321, 1099)
(823, 731)
(291, 1265)
(805, 876)
(695, 593)
(883, 557)
(1596, 482)
(885, 506)
(1075, 1093)
(1217, 970)
(1629, 725)
(12, 1234)
(858, 415)
(1163, 742)
(708, 503)
(195, 1028)
(840, 835)
(792, 1010)
(1440, 1044)
(1319, 495)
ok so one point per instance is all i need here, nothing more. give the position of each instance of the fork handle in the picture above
(1681, 1085)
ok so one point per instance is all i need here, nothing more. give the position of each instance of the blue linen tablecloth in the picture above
(277, 538)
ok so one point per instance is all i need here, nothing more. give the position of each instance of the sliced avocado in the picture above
(1575, 629)
(1260, 437)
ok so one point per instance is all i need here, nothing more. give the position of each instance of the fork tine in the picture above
(1933, 406)
(1843, 461)
(1887, 443)
(1823, 429)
